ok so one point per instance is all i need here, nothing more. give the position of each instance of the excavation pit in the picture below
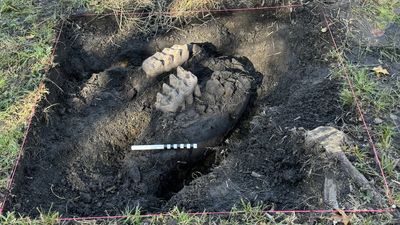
(78, 161)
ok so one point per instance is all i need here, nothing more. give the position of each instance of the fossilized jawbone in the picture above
(166, 60)
(179, 92)
(225, 95)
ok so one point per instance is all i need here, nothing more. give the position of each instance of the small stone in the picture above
(17, 206)
(393, 117)
(201, 108)
(378, 121)
(256, 175)
(134, 174)
(61, 111)
(330, 193)
(109, 205)
(86, 198)
(131, 93)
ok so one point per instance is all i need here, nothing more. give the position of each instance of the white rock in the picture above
(378, 120)
(393, 117)
(330, 138)
(255, 174)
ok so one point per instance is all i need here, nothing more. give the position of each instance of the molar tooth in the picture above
(166, 88)
(151, 66)
(181, 73)
(158, 55)
(170, 58)
(166, 103)
(176, 56)
(184, 51)
(167, 59)
(172, 94)
(161, 100)
(186, 76)
(179, 91)
(174, 81)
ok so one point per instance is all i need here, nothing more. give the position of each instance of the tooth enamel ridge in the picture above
(179, 92)
(166, 60)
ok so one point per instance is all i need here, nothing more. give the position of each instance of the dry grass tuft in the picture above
(121, 5)
(18, 112)
(186, 8)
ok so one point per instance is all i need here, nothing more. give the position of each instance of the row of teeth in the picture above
(179, 92)
(166, 60)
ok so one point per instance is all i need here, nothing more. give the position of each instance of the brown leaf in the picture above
(379, 70)
(377, 32)
(341, 216)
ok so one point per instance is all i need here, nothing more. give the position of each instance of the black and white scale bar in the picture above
(163, 147)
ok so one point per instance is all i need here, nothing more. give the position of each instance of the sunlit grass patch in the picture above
(46, 218)
(25, 46)
(382, 12)
(12, 127)
(364, 87)
(185, 8)
(386, 133)
(369, 90)
(389, 164)
(132, 216)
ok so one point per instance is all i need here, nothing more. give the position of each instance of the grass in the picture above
(386, 133)
(379, 97)
(49, 218)
(245, 214)
(371, 90)
(180, 8)
(381, 12)
(132, 216)
(364, 86)
(25, 45)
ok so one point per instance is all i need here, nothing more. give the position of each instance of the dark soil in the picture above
(78, 161)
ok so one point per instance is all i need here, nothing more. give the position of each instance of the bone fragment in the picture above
(332, 141)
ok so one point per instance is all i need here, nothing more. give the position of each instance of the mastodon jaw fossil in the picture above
(166, 60)
(179, 91)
